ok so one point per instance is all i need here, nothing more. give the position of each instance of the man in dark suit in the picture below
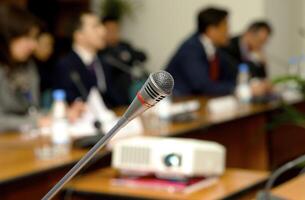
(82, 66)
(248, 48)
(198, 66)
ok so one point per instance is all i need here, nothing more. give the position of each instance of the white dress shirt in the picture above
(208, 46)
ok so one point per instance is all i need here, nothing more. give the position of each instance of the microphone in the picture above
(118, 64)
(124, 67)
(158, 86)
(86, 141)
(75, 77)
(265, 194)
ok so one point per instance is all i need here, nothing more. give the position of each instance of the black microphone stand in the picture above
(87, 141)
(265, 195)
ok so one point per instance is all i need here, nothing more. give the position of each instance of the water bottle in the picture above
(164, 108)
(243, 90)
(60, 134)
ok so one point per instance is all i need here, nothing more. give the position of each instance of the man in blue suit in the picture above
(199, 67)
(82, 68)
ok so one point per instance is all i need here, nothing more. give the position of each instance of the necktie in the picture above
(97, 68)
(214, 68)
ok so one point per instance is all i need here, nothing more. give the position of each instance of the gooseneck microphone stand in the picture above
(265, 195)
(81, 163)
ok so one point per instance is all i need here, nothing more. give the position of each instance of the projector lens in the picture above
(172, 160)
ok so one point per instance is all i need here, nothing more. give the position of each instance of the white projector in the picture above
(169, 157)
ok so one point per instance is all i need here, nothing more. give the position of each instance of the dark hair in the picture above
(258, 25)
(43, 27)
(210, 17)
(76, 23)
(14, 22)
(109, 18)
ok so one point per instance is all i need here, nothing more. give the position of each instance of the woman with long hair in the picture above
(19, 81)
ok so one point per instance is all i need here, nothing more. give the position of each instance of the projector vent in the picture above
(199, 160)
(135, 155)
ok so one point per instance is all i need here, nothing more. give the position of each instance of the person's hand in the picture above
(260, 88)
(76, 110)
(258, 56)
(268, 85)
(44, 121)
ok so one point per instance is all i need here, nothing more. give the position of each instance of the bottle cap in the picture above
(244, 68)
(59, 95)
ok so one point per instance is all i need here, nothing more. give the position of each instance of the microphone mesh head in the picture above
(164, 81)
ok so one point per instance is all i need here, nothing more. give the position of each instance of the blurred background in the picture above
(222, 84)
(160, 26)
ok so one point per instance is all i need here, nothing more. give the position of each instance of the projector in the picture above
(169, 157)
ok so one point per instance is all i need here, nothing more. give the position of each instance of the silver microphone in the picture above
(158, 86)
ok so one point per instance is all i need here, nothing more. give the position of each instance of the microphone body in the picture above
(75, 77)
(124, 67)
(158, 85)
(118, 64)
(266, 194)
(87, 141)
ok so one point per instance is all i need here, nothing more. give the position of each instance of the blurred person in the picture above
(19, 81)
(45, 61)
(45, 47)
(249, 48)
(124, 53)
(88, 37)
(117, 47)
(43, 57)
(199, 67)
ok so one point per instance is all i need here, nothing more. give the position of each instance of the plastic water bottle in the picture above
(60, 134)
(243, 90)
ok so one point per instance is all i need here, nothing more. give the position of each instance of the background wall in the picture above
(286, 18)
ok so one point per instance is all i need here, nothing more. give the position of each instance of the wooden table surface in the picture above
(233, 182)
(292, 190)
(24, 176)
(18, 157)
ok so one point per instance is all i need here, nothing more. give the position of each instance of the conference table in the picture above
(22, 174)
(243, 132)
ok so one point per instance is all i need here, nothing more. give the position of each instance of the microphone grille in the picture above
(164, 81)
